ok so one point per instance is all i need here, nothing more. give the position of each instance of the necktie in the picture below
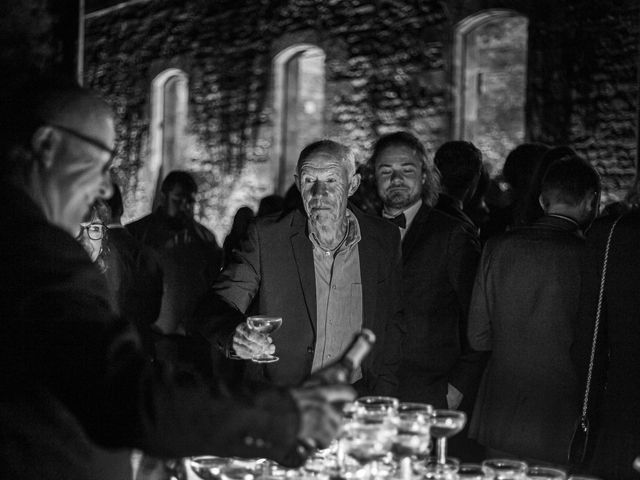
(400, 220)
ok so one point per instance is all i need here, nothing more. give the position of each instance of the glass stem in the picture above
(406, 472)
(442, 450)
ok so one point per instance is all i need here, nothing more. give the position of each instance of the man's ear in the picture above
(354, 183)
(44, 142)
(543, 203)
(296, 180)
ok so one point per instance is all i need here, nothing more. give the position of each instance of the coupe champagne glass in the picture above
(505, 469)
(445, 424)
(207, 467)
(266, 325)
(545, 473)
(413, 440)
(368, 438)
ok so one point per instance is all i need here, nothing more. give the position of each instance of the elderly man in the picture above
(327, 270)
(72, 376)
(440, 255)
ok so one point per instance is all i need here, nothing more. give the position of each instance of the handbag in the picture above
(579, 444)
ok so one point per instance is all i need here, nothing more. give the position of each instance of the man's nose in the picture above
(319, 189)
(396, 175)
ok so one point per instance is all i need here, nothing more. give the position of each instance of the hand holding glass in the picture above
(265, 325)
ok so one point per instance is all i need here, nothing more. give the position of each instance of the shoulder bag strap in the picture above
(605, 263)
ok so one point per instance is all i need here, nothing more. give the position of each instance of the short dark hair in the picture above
(115, 203)
(459, 163)
(521, 163)
(431, 187)
(179, 177)
(569, 179)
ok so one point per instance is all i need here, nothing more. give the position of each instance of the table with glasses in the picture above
(381, 438)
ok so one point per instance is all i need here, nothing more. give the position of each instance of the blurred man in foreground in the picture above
(74, 376)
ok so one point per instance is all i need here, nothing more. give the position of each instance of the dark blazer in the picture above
(439, 259)
(276, 264)
(447, 205)
(524, 305)
(72, 371)
(617, 364)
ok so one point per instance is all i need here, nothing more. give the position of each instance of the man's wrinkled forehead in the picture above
(323, 161)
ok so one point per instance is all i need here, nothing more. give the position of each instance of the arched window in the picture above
(490, 59)
(299, 106)
(169, 104)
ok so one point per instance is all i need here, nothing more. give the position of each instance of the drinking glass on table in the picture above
(266, 325)
(413, 440)
(505, 469)
(545, 473)
(207, 467)
(445, 424)
(368, 439)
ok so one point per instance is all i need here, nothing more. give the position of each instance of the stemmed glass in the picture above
(368, 437)
(266, 325)
(505, 469)
(413, 439)
(445, 424)
(545, 473)
(207, 467)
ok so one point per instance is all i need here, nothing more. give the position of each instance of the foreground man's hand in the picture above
(319, 419)
(248, 343)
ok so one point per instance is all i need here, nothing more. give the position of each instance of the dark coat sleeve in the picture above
(66, 338)
(222, 309)
(463, 256)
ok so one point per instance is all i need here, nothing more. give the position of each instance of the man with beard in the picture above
(73, 375)
(439, 259)
(525, 304)
(327, 269)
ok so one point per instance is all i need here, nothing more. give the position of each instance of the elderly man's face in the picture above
(78, 171)
(325, 184)
(399, 177)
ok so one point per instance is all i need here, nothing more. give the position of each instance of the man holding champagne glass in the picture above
(327, 270)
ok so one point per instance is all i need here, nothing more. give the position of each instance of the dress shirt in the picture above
(409, 213)
(338, 296)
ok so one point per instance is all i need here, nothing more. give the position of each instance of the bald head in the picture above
(56, 143)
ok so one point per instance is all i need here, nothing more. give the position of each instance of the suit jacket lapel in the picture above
(303, 257)
(409, 240)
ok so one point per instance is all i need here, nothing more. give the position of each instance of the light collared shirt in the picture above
(409, 214)
(338, 296)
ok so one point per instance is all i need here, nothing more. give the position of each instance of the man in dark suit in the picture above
(439, 257)
(524, 305)
(460, 166)
(327, 270)
(73, 376)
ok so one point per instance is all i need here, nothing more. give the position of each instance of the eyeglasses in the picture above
(95, 231)
(91, 141)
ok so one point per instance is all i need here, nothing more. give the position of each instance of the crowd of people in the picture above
(482, 294)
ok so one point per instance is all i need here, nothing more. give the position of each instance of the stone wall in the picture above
(388, 67)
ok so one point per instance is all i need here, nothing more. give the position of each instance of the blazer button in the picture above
(309, 349)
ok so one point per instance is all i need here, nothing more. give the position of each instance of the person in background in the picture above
(328, 270)
(439, 258)
(505, 200)
(523, 310)
(615, 392)
(530, 208)
(134, 273)
(460, 167)
(73, 375)
(241, 221)
(187, 251)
